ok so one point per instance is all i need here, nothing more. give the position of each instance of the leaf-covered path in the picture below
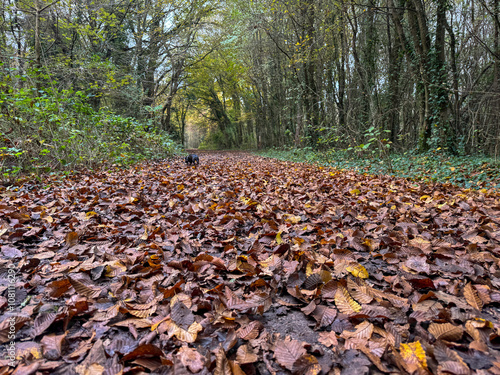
(246, 265)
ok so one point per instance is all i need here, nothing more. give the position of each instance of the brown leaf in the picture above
(359, 292)
(71, 239)
(446, 331)
(418, 264)
(235, 368)
(472, 297)
(57, 288)
(52, 346)
(245, 355)
(94, 362)
(191, 359)
(83, 289)
(328, 339)
(324, 315)
(363, 331)
(288, 351)
(307, 364)
(143, 351)
(181, 315)
(250, 331)
(221, 363)
(42, 322)
(184, 335)
(345, 303)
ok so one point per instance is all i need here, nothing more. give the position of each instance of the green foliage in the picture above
(46, 130)
(214, 141)
(433, 166)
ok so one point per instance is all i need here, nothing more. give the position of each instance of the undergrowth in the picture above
(434, 166)
(50, 130)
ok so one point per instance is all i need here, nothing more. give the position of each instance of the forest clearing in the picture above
(248, 265)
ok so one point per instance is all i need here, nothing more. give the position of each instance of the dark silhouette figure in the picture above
(192, 159)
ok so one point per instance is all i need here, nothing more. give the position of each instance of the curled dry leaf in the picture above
(306, 364)
(363, 331)
(188, 335)
(52, 346)
(42, 322)
(222, 366)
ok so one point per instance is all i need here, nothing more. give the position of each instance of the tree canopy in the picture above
(348, 74)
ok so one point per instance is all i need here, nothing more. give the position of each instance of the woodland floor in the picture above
(246, 265)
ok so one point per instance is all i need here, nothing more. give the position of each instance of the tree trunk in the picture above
(421, 40)
(394, 71)
(440, 95)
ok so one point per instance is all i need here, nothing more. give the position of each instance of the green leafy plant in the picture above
(46, 130)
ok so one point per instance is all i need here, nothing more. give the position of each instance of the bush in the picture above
(47, 130)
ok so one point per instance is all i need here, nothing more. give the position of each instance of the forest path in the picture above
(249, 264)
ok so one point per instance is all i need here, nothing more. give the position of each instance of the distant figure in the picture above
(192, 159)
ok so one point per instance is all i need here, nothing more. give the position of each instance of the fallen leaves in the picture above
(288, 351)
(244, 265)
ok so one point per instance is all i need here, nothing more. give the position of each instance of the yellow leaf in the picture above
(309, 268)
(452, 169)
(357, 270)
(293, 219)
(425, 197)
(180, 187)
(354, 192)
(155, 326)
(47, 218)
(278, 238)
(414, 356)
(191, 333)
(90, 214)
(245, 200)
